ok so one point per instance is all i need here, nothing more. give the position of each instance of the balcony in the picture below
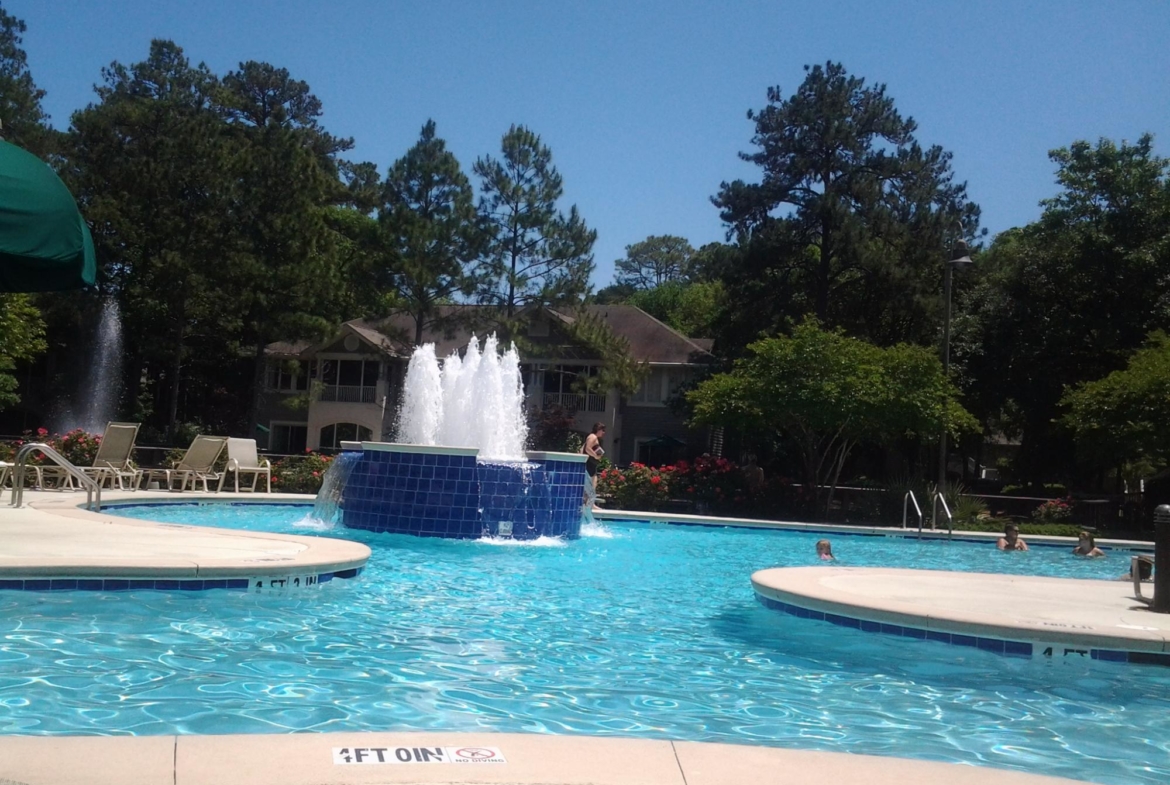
(348, 393)
(576, 402)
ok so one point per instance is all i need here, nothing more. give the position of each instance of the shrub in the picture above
(300, 473)
(77, 446)
(637, 487)
(714, 483)
(1053, 511)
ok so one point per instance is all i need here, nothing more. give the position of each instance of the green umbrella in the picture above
(44, 243)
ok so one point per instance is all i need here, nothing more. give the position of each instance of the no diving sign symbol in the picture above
(343, 756)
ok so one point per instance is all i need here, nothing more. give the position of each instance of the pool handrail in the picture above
(21, 461)
(909, 497)
(940, 499)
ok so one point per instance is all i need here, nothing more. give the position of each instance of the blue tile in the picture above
(37, 585)
(237, 583)
(10, 585)
(89, 584)
(870, 626)
(1108, 655)
(115, 584)
(63, 584)
(913, 632)
(991, 644)
(1020, 649)
(935, 635)
(964, 640)
(892, 629)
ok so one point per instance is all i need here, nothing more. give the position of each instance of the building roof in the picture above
(650, 340)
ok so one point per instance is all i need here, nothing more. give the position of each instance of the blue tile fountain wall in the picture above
(443, 495)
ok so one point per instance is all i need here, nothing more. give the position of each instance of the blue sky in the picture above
(643, 103)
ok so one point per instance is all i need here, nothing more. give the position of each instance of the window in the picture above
(333, 435)
(657, 388)
(288, 375)
(566, 385)
(350, 373)
(287, 438)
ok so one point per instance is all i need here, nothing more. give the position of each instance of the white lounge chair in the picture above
(112, 462)
(198, 464)
(243, 459)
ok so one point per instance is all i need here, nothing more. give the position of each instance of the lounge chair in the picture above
(112, 461)
(198, 464)
(242, 459)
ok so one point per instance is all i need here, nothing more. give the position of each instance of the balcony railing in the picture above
(577, 402)
(348, 393)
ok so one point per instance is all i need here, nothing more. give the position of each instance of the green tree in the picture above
(22, 119)
(1070, 297)
(654, 261)
(694, 309)
(284, 281)
(430, 230)
(827, 392)
(22, 338)
(849, 220)
(150, 166)
(1124, 418)
(536, 255)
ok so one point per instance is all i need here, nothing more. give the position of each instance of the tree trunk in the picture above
(176, 376)
(258, 371)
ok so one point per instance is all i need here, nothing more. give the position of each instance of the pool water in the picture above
(635, 630)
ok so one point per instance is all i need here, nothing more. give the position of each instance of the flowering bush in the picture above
(300, 473)
(712, 482)
(1053, 511)
(78, 447)
(637, 487)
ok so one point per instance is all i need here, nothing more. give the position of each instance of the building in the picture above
(348, 387)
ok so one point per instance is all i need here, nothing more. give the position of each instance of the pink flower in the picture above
(655, 480)
(42, 431)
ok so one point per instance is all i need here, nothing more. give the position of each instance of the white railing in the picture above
(906, 502)
(348, 393)
(578, 402)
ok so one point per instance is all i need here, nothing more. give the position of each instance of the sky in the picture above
(644, 104)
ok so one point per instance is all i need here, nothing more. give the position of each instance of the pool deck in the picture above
(1063, 611)
(52, 536)
(528, 759)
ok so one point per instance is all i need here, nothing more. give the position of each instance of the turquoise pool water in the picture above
(636, 630)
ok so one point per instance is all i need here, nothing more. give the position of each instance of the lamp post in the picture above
(961, 259)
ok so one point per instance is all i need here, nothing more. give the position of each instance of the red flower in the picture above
(316, 474)
(42, 431)
(655, 480)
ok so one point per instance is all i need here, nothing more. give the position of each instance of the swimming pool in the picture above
(635, 630)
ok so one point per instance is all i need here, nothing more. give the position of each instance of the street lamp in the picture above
(961, 259)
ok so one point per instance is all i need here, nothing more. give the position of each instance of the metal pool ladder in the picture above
(940, 500)
(906, 500)
(93, 491)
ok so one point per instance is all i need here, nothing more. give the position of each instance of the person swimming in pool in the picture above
(1010, 541)
(1087, 546)
(825, 550)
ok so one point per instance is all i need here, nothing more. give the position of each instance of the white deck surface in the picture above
(1100, 614)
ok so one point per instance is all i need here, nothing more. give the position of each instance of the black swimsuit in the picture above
(591, 465)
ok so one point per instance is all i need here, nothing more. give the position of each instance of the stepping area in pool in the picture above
(1049, 617)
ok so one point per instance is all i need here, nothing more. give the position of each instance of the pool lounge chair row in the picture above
(113, 466)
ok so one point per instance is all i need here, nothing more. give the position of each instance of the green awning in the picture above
(45, 245)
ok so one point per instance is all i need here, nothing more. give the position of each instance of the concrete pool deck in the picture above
(528, 759)
(1078, 616)
(54, 537)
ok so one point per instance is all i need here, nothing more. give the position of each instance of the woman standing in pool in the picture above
(593, 452)
(1087, 546)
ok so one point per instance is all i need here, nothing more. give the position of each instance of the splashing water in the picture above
(97, 399)
(476, 400)
(327, 507)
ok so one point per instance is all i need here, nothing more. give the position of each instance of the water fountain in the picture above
(459, 468)
(96, 401)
